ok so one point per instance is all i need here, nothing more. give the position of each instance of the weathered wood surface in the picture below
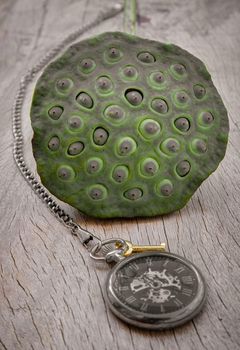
(51, 291)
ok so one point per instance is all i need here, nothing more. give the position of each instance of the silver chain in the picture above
(18, 152)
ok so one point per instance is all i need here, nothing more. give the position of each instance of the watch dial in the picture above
(156, 284)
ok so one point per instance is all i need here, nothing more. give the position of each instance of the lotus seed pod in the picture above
(126, 126)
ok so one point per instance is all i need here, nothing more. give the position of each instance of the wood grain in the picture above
(51, 292)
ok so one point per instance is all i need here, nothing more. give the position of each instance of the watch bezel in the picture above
(155, 321)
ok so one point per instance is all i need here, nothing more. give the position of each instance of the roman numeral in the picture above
(187, 279)
(134, 267)
(144, 306)
(180, 269)
(162, 308)
(130, 299)
(149, 261)
(121, 274)
(123, 288)
(177, 302)
(166, 262)
(187, 291)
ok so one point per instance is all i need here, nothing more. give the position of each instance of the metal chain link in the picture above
(18, 152)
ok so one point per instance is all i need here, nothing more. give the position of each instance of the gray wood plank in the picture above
(50, 290)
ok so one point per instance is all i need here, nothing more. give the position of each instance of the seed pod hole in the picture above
(199, 91)
(54, 143)
(183, 168)
(159, 105)
(126, 146)
(165, 188)
(133, 194)
(199, 146)
(75, 122)
(94, 165)
(157, 79)
(63, 85)
(170, 146)
(134, 97)
(55, 112)
(85, 100)
(182, 124)
(100, 136)
(66, 173)
(149, 167)
(182, 97)
(114, 113)
(149, 128)
(75, 148)
(114, 54)
(97, 192)
(205, 119)
(87, 65)
(130, 72)
(104, 85)
(146, 57)
(120, 173)
(178, 69)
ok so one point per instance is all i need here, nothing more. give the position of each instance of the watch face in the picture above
(155, 290)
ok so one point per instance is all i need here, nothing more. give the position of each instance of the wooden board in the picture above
(51, 292)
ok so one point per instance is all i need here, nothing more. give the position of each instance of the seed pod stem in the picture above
(130, 16)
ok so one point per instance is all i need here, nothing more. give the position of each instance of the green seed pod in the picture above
(125, 126)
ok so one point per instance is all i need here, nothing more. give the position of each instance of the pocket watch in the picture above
(152, 288)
